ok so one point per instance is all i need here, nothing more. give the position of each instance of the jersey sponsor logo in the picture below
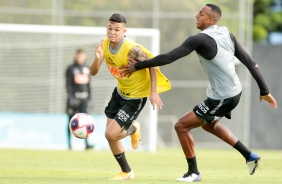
(204, 108)
(115, 72)
(122, 115)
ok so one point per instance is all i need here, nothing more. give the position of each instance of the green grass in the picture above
(221, 166)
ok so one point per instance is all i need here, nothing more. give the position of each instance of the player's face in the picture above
(115, 31)
(203, 18)
(80, 58)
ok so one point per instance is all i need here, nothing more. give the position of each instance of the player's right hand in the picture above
(156, 101)
(99, 54)
(269, 98)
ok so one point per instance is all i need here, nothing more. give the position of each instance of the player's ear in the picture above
(124, 30)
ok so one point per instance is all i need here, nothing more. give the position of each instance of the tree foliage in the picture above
(266, 19)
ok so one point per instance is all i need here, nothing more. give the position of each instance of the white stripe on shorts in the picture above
(139, 107)
(217, 107)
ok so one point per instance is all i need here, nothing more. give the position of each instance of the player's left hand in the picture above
(156, 101)
(269, 98)
(129, 68)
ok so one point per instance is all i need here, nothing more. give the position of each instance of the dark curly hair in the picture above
(118, 18)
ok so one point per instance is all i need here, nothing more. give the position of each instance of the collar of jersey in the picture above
(114, 51)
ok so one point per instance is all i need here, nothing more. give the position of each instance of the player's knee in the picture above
(110, 136)
(179, 127)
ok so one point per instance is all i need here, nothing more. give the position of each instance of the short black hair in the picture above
(215, 8)
(118, 18)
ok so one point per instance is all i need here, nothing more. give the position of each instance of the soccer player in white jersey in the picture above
(217, 49)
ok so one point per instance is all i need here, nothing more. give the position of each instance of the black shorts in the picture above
(211, 110)
(124, 111)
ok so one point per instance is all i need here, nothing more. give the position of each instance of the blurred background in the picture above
(33, 61)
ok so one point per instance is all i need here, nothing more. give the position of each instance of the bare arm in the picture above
(99, 57)
(138, 54)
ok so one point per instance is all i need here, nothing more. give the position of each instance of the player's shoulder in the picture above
(132, 45)
(199, 37)
(70, 66)
(232, 36)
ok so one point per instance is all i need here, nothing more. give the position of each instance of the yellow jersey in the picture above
(138, 85)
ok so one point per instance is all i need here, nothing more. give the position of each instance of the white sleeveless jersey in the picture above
(224, 82)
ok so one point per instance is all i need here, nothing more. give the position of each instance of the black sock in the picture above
(242, 149)
(192, 165)
(131, 130)
(122, 162)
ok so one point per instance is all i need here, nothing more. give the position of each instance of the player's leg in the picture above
(183, 129)
(128, 112)
(121, 113)
(221, 131)
(70, 112)
(120, 127)
(113, 129)
(114, 133)
(224, 108)
(225, 134)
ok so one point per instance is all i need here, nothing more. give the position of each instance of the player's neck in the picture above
(115, 45)
(208, 26)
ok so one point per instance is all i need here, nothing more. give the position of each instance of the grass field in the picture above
(52, 167)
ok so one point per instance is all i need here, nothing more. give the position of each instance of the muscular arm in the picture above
(252, 66)
(138, 54)
(190, 44)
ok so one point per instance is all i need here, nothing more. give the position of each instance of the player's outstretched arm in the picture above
(99, 56)
(189, 45)
(136, 53)
(270, 99)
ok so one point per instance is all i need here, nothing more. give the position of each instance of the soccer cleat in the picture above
(253, 162)
(124, 176)
(136, 136)
(190, 177)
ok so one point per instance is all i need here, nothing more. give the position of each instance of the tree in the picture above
(266, 19)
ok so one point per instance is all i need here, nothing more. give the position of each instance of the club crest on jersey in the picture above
(115, 72)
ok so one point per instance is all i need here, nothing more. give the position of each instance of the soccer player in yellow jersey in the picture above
(130, 96)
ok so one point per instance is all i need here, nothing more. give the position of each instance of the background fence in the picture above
(174, 18)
